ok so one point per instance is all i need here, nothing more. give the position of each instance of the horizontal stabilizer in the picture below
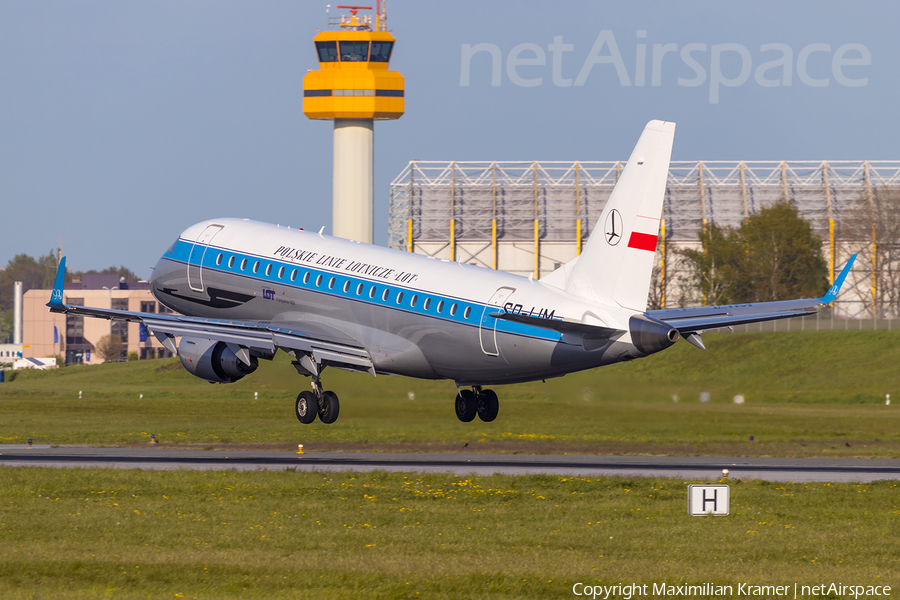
(685, 326)
(702, 318)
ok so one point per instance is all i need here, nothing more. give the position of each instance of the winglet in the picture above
(56, 298)
(833, 291)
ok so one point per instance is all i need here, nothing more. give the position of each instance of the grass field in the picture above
(72, 533)
(807, 394)
(94, 533)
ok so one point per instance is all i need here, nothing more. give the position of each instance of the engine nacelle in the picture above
(212, 360)
(651, 335)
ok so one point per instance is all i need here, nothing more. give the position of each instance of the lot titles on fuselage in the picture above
(344, 264)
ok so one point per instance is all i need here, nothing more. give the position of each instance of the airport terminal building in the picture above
(530, 217)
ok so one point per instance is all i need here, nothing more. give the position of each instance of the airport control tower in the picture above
(353, 88)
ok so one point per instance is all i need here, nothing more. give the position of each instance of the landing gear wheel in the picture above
(329, 407)
(306, 407)
(465, 405)
(487, 405)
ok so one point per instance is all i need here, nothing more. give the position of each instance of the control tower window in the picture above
(381, 51)
(354, 51)
(327, 51)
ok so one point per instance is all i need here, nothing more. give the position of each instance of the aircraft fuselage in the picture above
(417, 316)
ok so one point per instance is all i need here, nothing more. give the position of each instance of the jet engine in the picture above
(651, 335)
(213, 360)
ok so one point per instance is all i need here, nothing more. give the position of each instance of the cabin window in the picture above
(268, 269)
(385, 294)
(244, 265)
(231, 262)
(256, 266)
(331, 283)
(467, 312)
(354, 51)
(372, 292)
(327, 51)
(427, 303)
(453, 310)
(346, 286)
(306, 277)
(399, 297)
(381, 51)
(359, 290)
(319, 281)
(440, 306)
(281, 273)
(219, 260)
(412, 302)
(294, 275)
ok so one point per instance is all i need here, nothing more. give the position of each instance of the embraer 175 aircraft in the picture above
(247, 289)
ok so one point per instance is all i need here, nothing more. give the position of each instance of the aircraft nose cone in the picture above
(651, 335)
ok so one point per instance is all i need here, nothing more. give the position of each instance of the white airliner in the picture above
(247, 289)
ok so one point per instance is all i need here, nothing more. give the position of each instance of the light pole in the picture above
(110, 290)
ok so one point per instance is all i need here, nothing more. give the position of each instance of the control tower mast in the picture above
(353, 88)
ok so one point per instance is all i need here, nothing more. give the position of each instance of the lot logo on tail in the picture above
(613, 227)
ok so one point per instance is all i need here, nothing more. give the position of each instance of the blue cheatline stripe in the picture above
(182, 254)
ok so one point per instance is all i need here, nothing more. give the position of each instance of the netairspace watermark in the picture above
(627, 591)
(716, 64)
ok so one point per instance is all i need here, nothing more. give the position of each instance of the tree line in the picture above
(37, 273)
(773, 255)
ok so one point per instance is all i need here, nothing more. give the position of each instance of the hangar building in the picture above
(530, 217)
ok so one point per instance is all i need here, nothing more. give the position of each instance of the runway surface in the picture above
(691, 468)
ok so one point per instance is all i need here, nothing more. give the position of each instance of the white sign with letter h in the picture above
(708, 500)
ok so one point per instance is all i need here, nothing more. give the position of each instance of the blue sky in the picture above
(122, 123)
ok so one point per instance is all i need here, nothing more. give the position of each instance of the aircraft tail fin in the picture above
(616, 263)
(56, 297)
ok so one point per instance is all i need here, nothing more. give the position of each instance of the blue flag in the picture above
(143, 332)
(87, 356)
(55, 335)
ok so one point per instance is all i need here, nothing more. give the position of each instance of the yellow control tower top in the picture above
(353, 81)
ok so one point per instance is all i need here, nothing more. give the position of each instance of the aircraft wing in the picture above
(703, 318)
(323, 343)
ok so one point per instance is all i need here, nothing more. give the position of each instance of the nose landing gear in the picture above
(484, 403)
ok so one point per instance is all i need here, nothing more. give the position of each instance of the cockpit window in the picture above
(381, 51)
(354, 51)
(327, 51)
(171, 249)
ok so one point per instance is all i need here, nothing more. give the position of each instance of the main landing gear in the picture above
(484, 403)
(317, 402)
